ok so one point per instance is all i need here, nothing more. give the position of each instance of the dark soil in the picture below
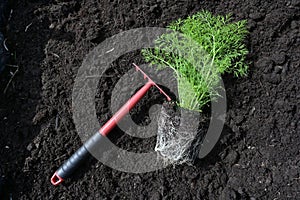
(257, 156)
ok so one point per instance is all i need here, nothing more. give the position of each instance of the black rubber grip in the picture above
(80, 156)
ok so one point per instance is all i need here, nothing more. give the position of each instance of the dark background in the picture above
(257, 157)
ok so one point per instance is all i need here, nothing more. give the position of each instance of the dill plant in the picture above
(207, 46)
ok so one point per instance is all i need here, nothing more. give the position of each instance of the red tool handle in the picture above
(69, 166)
(110, 124)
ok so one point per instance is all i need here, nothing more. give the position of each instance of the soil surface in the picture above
(257, 156)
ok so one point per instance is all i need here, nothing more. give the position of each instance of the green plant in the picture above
(207, 46)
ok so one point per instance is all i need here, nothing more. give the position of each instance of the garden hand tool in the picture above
(69, 166)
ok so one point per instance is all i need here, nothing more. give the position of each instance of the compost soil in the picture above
(257, 156)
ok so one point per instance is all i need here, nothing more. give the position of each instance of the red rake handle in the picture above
(108, 126)
(97, 141)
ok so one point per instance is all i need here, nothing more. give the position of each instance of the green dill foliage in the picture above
(206, 47)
